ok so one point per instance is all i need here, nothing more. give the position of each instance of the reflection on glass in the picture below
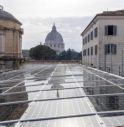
(95, 85)
(9, 112)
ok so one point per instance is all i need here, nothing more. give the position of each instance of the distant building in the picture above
(55, 41)
(103, 42)
(26, 54)
(10, 37)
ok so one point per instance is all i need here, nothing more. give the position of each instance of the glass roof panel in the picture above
(66, 90)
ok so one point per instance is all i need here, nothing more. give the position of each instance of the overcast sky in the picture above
(70, 16)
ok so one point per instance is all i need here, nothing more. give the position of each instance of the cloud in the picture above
(59, 8)
(37, 21)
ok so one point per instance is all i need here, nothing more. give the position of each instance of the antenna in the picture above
(53, 23)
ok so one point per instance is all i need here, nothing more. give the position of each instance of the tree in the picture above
(70, 54)
(42, 52)
(79, 56)
(62, 56)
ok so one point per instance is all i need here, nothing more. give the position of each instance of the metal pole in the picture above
(99, 66)
(111, 58)
(122, 64)
(105, 63)
(119, 71)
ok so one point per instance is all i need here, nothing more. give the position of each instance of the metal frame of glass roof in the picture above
(63, 75)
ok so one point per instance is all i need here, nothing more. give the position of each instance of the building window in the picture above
(88, 51)
(84, 52)
(91, 35)
(110, 49)
(91, 50)
(96, 32)
(96, 49)
(88, 37)
(110, 30)
(83, 41)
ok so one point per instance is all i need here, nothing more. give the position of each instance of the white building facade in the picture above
(103, 42)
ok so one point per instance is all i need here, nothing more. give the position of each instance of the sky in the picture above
(70, 16)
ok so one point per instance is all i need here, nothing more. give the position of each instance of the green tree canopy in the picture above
(42, 52)
(70, 54)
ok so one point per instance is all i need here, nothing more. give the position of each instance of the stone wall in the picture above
(11, 39)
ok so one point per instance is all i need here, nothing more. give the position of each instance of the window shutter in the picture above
(112, 48)
(96, 32)
(106, 30)
(115, 49)
(95, 49)
(114, 30)
(91, 50)
(88, 51)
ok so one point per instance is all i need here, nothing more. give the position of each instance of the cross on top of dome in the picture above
(54, 27)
